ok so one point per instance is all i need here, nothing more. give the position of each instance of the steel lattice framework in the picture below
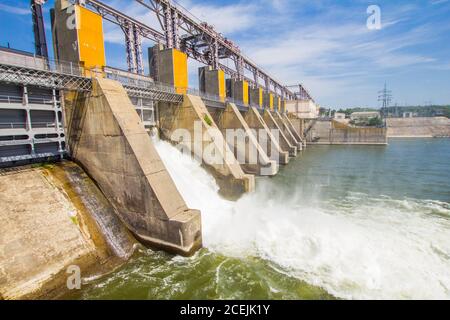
(183, 31)
(302, 93)
(27, 76)
(153, 94)
(43, 78)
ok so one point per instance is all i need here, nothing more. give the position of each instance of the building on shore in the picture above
(367, 115)
(304, 109)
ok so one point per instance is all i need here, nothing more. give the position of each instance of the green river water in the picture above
(350, 222)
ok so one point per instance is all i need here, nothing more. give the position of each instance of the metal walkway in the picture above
(28, 70)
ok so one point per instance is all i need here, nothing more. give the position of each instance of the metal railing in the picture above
(217, 99)
(31, 100)
(43, 125)
(131, 81)
(42, 100)
(39, 63)
(13, 125)
(208, 96)
(24, 125)
(11, 99)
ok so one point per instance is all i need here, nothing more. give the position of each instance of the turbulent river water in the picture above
(350, 222)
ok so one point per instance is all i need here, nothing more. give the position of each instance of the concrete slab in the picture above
(38, 239)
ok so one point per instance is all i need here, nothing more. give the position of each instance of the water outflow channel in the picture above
(338, 222)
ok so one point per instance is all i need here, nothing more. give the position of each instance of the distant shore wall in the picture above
(333, 132)
(418, 127)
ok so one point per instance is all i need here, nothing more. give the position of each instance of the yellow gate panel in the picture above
(222, 88)
(180, 71)
(90, 39)
(245, 92)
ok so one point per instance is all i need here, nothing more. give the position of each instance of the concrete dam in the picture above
(81, 180)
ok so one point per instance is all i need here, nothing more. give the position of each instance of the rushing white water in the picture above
(357, 248)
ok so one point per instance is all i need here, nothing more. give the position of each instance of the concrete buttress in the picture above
(191, 126)
(265, 137)
(285, 144)
(107, 138)
(294, 131)
(287, 131)
(244, 142)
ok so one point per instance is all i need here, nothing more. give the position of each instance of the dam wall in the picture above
(418, 127)
(106, 136)
(333, 132)
(53, 217)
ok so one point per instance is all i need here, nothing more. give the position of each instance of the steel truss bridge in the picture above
(30, 71)
(182, 31)
(136, 88)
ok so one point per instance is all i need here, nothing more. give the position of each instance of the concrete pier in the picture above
(238, 90)
(276, 103)
(265, 137)
(268, 100)
(298, 124)
(256, 97)
(106, 136)
(294, 131)
(244, 143)
(169, 66)
(191, 125)
(81, 44)
(287, 132)
(212, 82)
(284, 142)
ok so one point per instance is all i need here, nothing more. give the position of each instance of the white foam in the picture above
(371, 248)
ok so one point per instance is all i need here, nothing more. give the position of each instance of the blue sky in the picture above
(323, 44)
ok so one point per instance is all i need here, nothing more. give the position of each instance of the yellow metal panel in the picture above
(260, 96)
(222, 89)
(180, 71)
(271, 101)
(245, 92)
(90, 39)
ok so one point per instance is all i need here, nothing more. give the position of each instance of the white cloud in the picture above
(14, 10)
(438, 1)
(331, 51)
(226, 19)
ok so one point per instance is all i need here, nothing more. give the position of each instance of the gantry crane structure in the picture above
(179, 29)
(182, 31)
(302, 93)
(40, 39)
